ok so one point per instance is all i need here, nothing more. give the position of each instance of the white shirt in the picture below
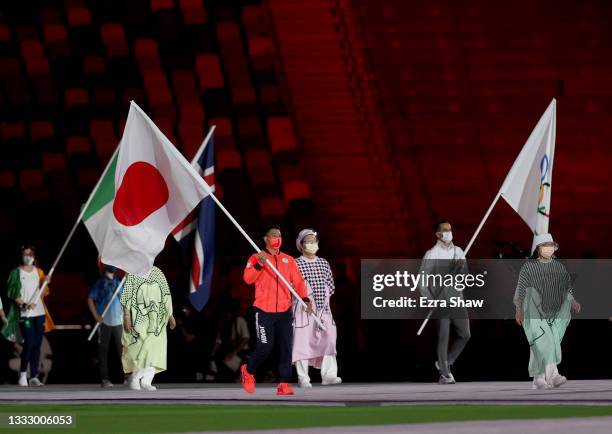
(442, 251)
(29, 285)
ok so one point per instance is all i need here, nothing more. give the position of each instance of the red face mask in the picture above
(275, 243)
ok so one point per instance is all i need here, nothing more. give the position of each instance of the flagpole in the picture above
(226, 212)
(36, 295)
(107, 307)
(193, 161)
(204, 144)
(248, 238)
(258, 250)
(467, 249)
(482, 222)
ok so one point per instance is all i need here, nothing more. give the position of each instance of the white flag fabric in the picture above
(150, 191)
(527, 187)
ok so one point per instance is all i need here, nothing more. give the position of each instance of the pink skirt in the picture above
(310, 342)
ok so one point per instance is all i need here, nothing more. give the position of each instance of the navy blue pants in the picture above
(106, 333)
(272, 327)
(32, 330)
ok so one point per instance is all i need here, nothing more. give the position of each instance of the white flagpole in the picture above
(257, 249)
(467, 249)
(227, 213)
(248, 238)
(36, 295)
(195, 160)
(203, 146)
(478, 229)
(107, 307)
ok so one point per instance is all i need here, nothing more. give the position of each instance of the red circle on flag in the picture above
(143, 191)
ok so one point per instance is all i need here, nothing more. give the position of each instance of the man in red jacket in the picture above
(273, 317)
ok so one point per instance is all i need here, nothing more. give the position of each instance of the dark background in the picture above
(366, 120)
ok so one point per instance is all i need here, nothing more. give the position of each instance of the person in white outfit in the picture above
(445, 257)
(313, 346)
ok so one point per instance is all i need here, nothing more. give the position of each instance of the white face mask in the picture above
(28, 260)
(447, 237)
(311, 248)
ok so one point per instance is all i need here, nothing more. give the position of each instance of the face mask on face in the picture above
(547, 251)
(447, 237)
(28, 260)
(311, 248)
(275, 243)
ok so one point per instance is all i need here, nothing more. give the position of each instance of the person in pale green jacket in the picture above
(147, 310)
(544, 299)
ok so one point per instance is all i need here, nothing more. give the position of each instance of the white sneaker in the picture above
(558, 381)
(35, 382)
(304, 384)
(23, 379)
(147, 387)
(134, 383)
(540, 384)
(330, 381)
(446, 379)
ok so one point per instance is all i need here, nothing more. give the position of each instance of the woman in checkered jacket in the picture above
(313, 346)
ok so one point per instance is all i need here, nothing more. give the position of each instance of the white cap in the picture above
(540, 239)
(303, 234)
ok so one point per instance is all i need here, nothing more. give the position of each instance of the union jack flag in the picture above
(199, 226)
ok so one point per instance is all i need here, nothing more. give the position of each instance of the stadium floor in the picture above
(589, 392)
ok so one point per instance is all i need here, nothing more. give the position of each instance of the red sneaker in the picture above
(284, 389)
(248, 380)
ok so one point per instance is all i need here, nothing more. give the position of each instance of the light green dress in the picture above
(150, 305)
(545, 291)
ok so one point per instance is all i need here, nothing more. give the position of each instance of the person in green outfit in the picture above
(28, 317)
(147, 309)
(544, 300)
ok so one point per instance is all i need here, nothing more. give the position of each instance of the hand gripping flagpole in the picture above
(467, 249)
(107, 307)
(248, 238)
(196, 158)
(258, 250)
(255, 246)
(37, 294)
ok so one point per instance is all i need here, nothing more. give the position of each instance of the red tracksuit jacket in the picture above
(271, 294)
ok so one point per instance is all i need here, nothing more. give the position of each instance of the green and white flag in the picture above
(146, 191)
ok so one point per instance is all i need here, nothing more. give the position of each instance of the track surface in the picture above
(574, 392)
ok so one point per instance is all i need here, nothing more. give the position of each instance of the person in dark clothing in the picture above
(100, 294)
